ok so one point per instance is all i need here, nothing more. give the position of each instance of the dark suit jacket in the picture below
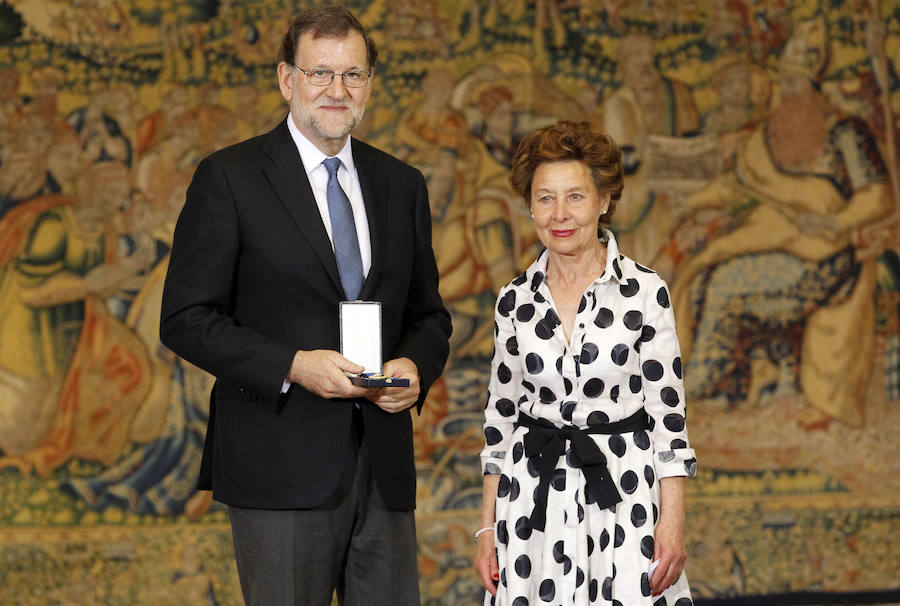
(252, 278)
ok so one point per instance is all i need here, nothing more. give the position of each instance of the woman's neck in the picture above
(578, 268)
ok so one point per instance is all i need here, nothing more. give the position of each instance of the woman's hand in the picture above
(486, 556)
(486, 561)
(668, 541)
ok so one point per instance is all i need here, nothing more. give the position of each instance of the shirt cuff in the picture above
(677, 462)
(491, 462)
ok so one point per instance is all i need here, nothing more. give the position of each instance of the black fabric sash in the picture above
(548, 441)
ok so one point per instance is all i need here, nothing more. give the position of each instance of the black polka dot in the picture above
(690, 466)
(579, 577)
(629, 482)
(633, 320)
(643, 269)
(619, 354)
(523, 528)
(567, 409)
(538, 297)
(492, 436)
(604, 539)
(504, 374)
(645, 584)
(634, 383)
(617, 445)
(536, 280)
(593, 587)
(512, 346)
(647, 333)
(630, 288)
(582, 304)
(502, 534)
(606, 590)
(558, 481)
(543, 331)
(638, 515)
(593, 387)
(514, 489)
(669, 396)
(523, 566)
(547, 590)
(533, 467)
(662, 297)
(518, 452)
(503, 576)
(551, 319)
(520, 601)
(653, 370)
(666, 456)
(655, 513)
(620, 537)
(520, 279)
(676, 366)
(558, 553)
(506, 407)
(604, 318)
(616, 268)
(647, 546)
(683, 602)
(547, 396)
(597, 417)
(660, 602)
(614, 393)
(525, 312)
(507, 303)
(534, 363)
(677, 443)
(642, 439)
(566, 564)
(590, 544)
(589, 353)
(503, 486)
(673, 422)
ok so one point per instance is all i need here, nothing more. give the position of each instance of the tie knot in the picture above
(332, 165)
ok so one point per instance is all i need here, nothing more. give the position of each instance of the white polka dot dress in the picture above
(623, 357)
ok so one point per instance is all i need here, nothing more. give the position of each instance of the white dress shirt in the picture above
(312, 158)
(348, 178)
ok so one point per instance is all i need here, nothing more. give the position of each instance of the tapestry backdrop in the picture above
(760, 141)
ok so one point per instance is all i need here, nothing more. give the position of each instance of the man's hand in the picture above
(321, 371)
(395, 399)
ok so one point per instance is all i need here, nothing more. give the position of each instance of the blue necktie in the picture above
(343, 232)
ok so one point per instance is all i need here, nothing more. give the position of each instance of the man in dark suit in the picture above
(276, 231)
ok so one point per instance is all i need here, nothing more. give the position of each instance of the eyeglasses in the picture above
(324, 77)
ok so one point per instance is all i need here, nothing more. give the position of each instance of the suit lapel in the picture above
(288, 178)
(374, 191)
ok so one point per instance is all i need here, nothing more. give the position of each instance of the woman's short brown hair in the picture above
(568, 140)
(324, 22)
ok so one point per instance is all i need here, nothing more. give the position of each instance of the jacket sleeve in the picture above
(197, 320)
(427, 328)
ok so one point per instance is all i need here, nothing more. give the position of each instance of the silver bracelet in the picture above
(485, 529)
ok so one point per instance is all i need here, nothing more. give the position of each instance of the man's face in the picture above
(326, 114)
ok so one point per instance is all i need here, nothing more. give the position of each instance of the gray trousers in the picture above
(365, 552)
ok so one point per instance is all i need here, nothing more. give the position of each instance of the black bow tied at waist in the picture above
(548, 441)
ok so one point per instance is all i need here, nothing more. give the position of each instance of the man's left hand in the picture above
(395, 399)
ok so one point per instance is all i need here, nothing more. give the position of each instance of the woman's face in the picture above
(566, 206)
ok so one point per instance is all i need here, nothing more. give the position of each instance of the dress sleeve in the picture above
(502, 408)
(663, 389)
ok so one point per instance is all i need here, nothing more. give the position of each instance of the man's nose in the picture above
(336, 89)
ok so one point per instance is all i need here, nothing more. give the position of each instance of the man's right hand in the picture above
(321, 371)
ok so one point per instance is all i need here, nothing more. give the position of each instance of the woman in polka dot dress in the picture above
(586, 447)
